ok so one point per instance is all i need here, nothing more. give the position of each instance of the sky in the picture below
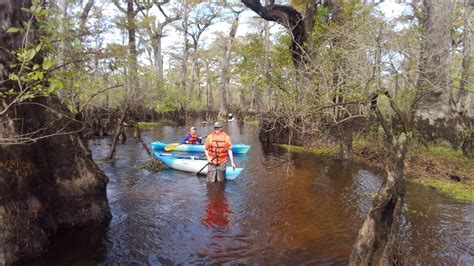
(248, 18)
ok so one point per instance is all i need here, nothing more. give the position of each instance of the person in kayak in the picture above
(191, 137)
(218, 149)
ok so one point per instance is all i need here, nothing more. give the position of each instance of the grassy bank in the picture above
(251, 120)
(320, 150)
(163, 122)
(433, 166)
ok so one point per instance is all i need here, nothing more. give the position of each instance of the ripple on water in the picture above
(285, 208)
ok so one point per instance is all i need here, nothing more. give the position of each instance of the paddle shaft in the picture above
(217, 154)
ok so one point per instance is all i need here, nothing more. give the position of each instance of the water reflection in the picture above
(217, 213)
(285, 208)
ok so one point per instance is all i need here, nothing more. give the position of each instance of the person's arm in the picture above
(185, 139)
(231, 155)
(205, 151)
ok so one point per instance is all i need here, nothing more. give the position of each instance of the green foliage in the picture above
(280, 55)
(35, 71)
(170, 100)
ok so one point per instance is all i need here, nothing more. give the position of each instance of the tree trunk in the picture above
(137, 132)
(310, 12)
(198, 78)
(193, 69)
(115, 139)
(464, 98)
(62, 5)
(378, 235)
(208, 89)
(225, 79)
(157, 56)
(184, 62)
(48, 180)
(266, 67)
(345, 144)
(83, 18)
(345, 129)
(132, 56)
(434, 90)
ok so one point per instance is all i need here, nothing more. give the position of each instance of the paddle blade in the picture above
(171, 146)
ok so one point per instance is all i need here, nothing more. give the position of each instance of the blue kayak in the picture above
(192, 164)
(159, 146)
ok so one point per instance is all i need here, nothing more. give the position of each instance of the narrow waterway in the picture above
(285, 208)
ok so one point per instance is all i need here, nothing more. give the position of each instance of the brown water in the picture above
(285, 208)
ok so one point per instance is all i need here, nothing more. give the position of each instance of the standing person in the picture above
(191, 137)
(218, 148)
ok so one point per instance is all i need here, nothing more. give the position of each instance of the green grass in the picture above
(100, 161)
(321, 150)
(163, 122)
(458, 190)
(441, 153)
(251, 121)
(427, 165)
(359, 144)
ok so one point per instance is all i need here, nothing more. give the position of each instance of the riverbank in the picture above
(439, 167)
(162, 122)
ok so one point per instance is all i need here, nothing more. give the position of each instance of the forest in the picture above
(385, 83)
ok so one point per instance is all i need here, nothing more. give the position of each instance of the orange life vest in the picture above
(193, 138)
(218, 146)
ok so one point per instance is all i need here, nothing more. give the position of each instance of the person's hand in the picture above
(209, 159)
(233, 165)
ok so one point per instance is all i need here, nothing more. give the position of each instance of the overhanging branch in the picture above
(288, 17)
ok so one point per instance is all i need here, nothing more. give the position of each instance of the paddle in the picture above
(171, 146)
(202, 168)
(217, 154)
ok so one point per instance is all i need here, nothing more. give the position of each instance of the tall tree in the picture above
(130, 12)
(377, 240)
(156, 31)
(202, 19)
(467, 69)
(340, 44)
(225, 79)
(133, 96)
(268, 93)
(435, 94)
(48, 180)
(465, 97)
(62, 17)
(185, 10)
